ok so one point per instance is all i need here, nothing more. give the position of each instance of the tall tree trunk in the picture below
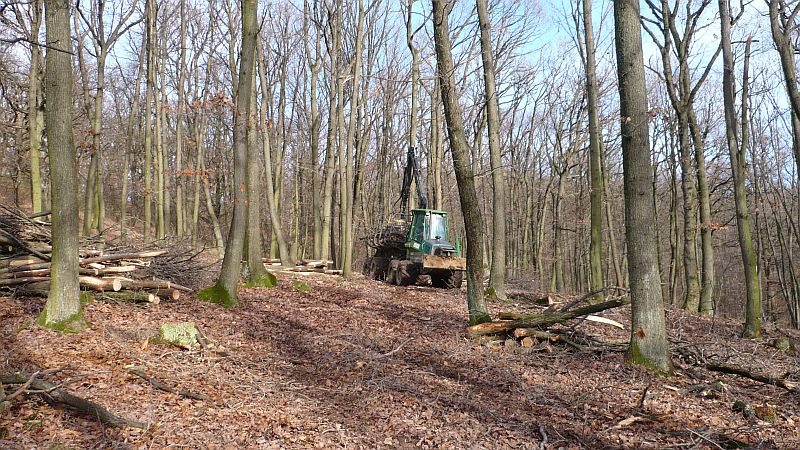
(224, 291)
(148, 114)
(706, 306)
(648, 345)
(34, 110)
(257, 274)
(783, 27)
(476, 304)
(275, 219)
(336, 88)
(737, 148)
(595, 168)
(180, 215)
(314, 66)
(497, 273)
(63, 309)
(348, 199)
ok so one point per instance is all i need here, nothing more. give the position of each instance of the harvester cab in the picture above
(427, 234)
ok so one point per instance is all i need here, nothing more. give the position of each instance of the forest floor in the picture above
(362, 364)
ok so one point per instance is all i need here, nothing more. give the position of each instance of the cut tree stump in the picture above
(180, 334)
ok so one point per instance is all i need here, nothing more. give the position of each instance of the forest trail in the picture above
(361, 364)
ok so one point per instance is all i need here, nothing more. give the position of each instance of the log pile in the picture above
(302, 266)
(530, 328)
(120, 273)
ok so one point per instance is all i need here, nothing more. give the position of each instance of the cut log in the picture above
(25, 274)
(53, 393)
(167, 294)
(100, 284)
(128, 283)
(18, 281)
(121, 256)
(541, 320)
(534, 332)
(133, 297)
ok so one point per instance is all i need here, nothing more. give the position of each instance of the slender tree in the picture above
(737, 148)
(224, 291)
(595, 158)
(497, 275)
(476, 304)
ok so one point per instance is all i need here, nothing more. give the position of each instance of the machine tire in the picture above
(367, 269)
(407, 273)
(391, 273)
(378, 267)
(448, 280)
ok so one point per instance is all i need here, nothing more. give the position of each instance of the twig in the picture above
(388, 354)
(24, 387)
(163, 387)
(706, 439)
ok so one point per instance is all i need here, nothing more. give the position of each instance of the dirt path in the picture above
(362, 364)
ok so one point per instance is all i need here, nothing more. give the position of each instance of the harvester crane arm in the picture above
(412, 171)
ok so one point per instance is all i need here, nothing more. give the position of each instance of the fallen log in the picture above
(167, 294)
(533, 332)
(128, 283)
(25, 274)
(120, 256)
(541, 320)
(133, 297)
(100, 284)
(92, 283)
(26, 280)
(52, 393)
(730, 369)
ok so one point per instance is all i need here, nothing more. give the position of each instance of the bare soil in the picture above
(361, 364)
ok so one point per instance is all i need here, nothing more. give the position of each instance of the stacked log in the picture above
(119, 273)
(303, 266)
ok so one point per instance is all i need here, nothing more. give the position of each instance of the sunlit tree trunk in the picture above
(476, 304)
(648, 345)
(224, 292)
(63, 308)
(34, 108)
(737, 148)
(595, 169)
(497, 275)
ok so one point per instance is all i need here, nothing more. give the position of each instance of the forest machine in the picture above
(414, 245)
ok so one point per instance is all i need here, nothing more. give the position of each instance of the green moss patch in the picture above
(301, 286)
(219, 295)
(263, 280)
(634, 356)
(72, 324)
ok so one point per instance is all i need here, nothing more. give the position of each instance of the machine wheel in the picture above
(367, 269)
(378, 267)
(407, 273)
(448, 280)
(391, 273)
